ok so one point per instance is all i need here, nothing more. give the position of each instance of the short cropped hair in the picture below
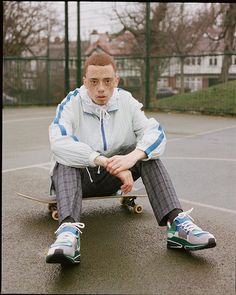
(99, 59)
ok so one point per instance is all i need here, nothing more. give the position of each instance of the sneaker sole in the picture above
(175, 245)
(59, 257)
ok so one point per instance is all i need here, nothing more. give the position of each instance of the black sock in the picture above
(174, 213)
(68, 219)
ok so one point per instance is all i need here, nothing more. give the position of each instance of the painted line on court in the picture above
(181, 200)
(208, 206)
(41, 165)
(26, 167)
(26, 119)
(201, 159)
(201, 133)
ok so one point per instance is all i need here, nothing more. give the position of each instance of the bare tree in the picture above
(174, 30)
(133, 19)
(224, 16)
(24, 23)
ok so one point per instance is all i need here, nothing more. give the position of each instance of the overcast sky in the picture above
(95, 15)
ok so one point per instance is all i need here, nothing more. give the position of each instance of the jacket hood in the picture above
(92, 108)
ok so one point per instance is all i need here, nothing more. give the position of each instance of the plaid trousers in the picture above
(71, 184)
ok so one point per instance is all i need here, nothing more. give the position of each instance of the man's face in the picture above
(100, 82)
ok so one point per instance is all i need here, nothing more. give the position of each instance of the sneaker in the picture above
(183, 233)
(66, 249)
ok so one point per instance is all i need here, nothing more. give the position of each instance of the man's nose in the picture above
(100, 86)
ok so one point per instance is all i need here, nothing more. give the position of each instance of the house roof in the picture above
(57, 49)
(209, 45)
(113, 45)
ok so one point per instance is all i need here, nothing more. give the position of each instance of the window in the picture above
(187, 61)
(234, 60)
(213, 61)
(29, 84)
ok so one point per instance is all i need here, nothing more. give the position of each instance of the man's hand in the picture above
(101, 161)
(127, 180)
(119, 163)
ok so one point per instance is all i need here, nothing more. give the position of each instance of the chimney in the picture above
(94, 36)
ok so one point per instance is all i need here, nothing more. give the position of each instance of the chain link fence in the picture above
(177, 83)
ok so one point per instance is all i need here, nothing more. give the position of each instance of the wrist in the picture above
(100, 161)
(138, 154)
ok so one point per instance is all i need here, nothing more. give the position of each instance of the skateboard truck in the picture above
(130, 203)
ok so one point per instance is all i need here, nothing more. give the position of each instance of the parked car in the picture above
(9, 100)
(164, 92)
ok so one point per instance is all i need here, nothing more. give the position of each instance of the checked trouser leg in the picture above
(71, 184)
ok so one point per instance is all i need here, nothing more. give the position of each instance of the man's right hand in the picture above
(125, 176)
(127, 180)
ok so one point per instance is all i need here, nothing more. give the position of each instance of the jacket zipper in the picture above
(103, 136)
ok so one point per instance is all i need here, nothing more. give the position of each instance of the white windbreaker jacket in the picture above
(83, 130)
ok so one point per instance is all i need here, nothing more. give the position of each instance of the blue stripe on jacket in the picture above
(156, 143)
(61, 108)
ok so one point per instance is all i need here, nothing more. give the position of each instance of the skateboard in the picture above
(127, 200)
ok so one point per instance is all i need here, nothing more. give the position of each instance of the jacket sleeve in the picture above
(65, 146)
(151, 137)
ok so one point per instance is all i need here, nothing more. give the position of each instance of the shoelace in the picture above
(188, 225)
(78, 225)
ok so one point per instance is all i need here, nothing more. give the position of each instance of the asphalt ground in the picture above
(122, 252)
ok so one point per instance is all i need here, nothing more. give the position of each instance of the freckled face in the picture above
(100, 82)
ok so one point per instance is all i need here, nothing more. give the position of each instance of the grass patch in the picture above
(218, 99)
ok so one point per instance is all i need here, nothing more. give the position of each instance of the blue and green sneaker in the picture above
(183, 233)
(66, 249)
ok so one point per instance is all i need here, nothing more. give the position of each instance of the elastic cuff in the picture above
(92, 157)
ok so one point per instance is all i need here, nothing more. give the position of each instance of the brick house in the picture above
(121, 48)
(202, 67)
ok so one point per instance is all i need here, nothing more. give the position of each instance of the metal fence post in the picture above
(67, 74)
(147, 57)
(78, 47)
(48, 71)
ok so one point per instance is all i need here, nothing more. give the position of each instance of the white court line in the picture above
(201, 159)
(26, 167)
(181, 200)
(201, 133)
(208, 206)
(40, 165)
(26, 119)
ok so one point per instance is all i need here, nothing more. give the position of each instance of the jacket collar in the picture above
(90, 107)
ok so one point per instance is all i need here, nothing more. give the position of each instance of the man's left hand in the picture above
(119, 163)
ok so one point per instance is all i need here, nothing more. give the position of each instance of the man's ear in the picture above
(117, 80)
(84, 81)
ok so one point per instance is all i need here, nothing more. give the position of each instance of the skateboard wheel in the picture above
(55, 215)
(138, 209)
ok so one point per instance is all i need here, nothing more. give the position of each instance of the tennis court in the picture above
(122, 253)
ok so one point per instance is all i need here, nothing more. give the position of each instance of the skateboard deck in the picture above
(127, 200)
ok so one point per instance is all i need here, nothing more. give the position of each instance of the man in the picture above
(101, 142)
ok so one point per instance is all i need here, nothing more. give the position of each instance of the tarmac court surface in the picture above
(121, 252)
